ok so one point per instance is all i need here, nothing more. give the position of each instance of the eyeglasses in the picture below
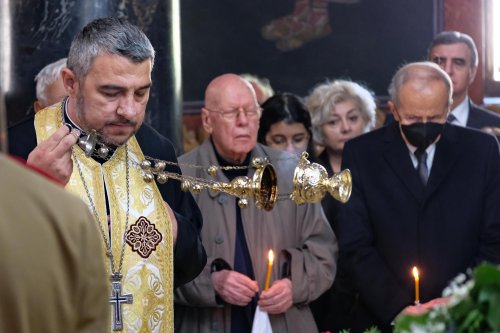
(231, 115)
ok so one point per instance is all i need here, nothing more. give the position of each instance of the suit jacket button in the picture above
(222, 198)
(219, 239)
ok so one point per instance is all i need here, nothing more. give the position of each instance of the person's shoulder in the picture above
(473, 135)
(483, 110)
(188, 156)
(153, 143)
(22, 137)
(14, 171)
(274, 153)
(194, 153)
(283, 162)
(485, 116)
(278, 156)
(28, 185)
(23, 124)
(472, 141)
(371, 137)
(147, 132)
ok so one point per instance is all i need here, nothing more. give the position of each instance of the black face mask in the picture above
(421, 135)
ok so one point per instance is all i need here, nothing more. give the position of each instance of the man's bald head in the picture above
(218, 87)
(419, 74)
(231, 116)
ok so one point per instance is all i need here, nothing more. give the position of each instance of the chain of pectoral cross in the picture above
(116, 299)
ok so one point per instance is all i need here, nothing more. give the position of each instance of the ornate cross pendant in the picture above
(116, 299)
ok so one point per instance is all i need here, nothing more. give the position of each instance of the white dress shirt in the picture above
(461, 113)
(430, 155)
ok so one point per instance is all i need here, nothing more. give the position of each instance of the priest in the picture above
(145, 228)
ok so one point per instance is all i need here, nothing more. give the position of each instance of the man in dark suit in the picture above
(439, 211)
(456, 53)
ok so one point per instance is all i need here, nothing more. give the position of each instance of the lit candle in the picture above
(415, 275)
(269, 268)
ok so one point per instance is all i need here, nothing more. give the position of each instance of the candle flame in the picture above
(271, 256)
(415, 272)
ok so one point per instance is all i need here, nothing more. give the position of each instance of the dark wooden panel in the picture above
(467, 16)
(368, 41)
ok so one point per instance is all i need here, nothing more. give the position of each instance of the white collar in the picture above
(461, 113)
(431, 150)
(65, 109)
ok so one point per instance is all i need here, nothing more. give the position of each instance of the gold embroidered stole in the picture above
(149, 280)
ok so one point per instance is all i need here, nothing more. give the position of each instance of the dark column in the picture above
(164, 107)
(34, 33)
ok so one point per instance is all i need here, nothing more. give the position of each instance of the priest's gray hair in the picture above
(424, 72)
(48, 75)
(109, 35)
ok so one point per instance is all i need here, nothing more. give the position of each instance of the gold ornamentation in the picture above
(243, 203)
(212, 170)
(143, 237)
(148, 176)
(162, 178)
(262, 187)
(160, 166)
(311, 182)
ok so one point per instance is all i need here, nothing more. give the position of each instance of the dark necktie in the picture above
(451, 118)
(422, 170)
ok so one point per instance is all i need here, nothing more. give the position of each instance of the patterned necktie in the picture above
(422, 170)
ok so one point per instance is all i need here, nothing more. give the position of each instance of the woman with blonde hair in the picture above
(340, 110)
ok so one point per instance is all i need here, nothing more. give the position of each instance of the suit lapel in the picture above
(447, 151)
(472, 120)
(397, 155)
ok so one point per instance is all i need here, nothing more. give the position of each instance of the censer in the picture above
(91, 145)
(311, 182)
(262, 187)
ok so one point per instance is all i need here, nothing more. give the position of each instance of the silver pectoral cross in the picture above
(117, 300)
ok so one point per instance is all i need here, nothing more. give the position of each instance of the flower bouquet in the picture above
(473, 307)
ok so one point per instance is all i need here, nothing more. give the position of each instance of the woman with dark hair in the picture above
(285, 124)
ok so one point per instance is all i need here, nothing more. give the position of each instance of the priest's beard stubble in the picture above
(82, 117)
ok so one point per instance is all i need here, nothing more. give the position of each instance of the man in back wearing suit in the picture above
(456, 53)
(438, 211)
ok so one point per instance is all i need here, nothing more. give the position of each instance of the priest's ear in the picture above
(37, 106)
(69, 80)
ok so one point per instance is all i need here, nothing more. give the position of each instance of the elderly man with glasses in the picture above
(225, 295)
